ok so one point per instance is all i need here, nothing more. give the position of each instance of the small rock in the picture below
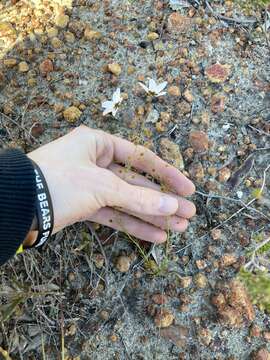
(23, 67)
(205, 336)
(90, 34)
(171, 153)
(224, 174)
(188, 96)
(2, 78)
(254, 331)
(176, 334)
(201, 264)
(114, 68)
(174, 91)
(52, 32)
(123, 264)
(164, 318)
(61, 20)
(98, 260)
(262, 354)
(219, 301)
(70, 37)
(230, 316)
(228, 260)
(37, 130)
(56, 43)
(239, 299)
(218, 73)
(217, 103)
(200, 280)
(216, 234)
(178, 23)
(152, 36)
(71, 330)
(104, 315)
(45, 67)
(152, 117)
(185, 281)
(199, 141)
(160, 299)
(196, 171)
(9, 63)
(266, 335)
(72, 114)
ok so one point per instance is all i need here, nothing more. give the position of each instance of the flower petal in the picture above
(107, 104)
(107, 111)
(117, 96)
(161, 86)
(114, 111)
(153, 86)
(145, 88)
(161, 93)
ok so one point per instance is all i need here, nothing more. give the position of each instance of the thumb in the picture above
(136, 198)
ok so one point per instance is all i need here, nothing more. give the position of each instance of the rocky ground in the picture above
(90, 293)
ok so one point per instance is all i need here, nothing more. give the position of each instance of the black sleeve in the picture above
(17, 200)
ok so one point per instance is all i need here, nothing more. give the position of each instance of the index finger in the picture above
(145, 160)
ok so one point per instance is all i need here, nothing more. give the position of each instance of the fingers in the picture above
(115, 192)
(186, 209)
(130, 225)
(145, 160)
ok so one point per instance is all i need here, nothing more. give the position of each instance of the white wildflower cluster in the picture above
(153, 89)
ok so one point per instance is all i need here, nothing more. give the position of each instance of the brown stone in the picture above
(217, 103)
(224, 174)
(219, 301)
(123, 263)
(262, 354)
(216, 234)
(218, 73)
(174, 91)
(239, 299)
(90, 34)
(200, 280)
(254, 331)
(228, 260)
(160, 299)
(45, 67)
(178, 23)
(72, 114)
(196, 171)
(230, 316)
(164, 318)
(199, 141)
(176, 334)
(171, 153)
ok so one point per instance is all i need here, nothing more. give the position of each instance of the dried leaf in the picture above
(241, 173)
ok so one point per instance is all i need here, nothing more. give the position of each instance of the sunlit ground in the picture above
(20, 19)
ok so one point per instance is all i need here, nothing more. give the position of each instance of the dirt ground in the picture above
(70, 301)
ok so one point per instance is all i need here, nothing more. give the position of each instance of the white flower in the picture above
(112, 106)
(154, 89)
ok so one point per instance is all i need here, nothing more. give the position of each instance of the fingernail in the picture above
(168, 205)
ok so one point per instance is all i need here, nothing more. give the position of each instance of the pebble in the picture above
(205, 336)
(188, 96)
(10, 62)
(70, 37)
(61, 20)
(171, 153)
(45, 67)
(90, 34)
(174, 91)
(196, 171)
(56, 43)
(176, 334)
(178, 23)
(114, 68)
(215, 234)
(229, 316)
(217, 103)
(152, 36)
(104, 315)
(262, 354)
(98, 260)
(228, 260)
(72, 114)
(199, 141)
(200, 280)
(185, 281)
(152, 117)
(23, 67)
(218, 73)
(123, 264)
(224, 174)
(52, 32)
(163, 318)
(160, 299)
(239, 299)
(255, 331)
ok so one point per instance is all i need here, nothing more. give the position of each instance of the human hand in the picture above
(87, 180)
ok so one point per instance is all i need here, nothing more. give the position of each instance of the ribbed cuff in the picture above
(17, 200)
